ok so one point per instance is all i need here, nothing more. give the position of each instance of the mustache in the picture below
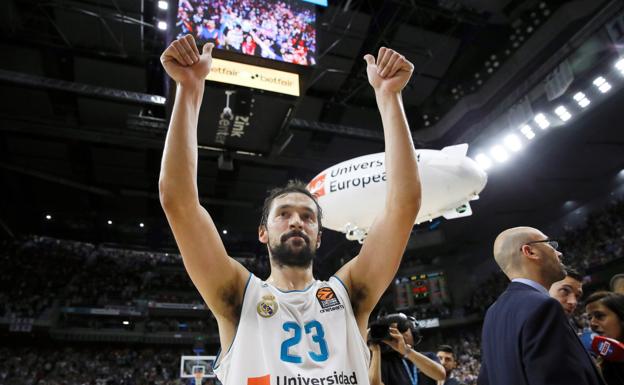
(295, 233)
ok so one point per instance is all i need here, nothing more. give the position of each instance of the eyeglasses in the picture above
(553, 243)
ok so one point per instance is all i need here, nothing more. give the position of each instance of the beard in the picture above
(284, 254)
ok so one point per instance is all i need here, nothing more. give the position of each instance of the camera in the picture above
(380, 328)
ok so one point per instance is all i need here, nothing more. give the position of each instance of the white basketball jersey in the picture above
(299, 337)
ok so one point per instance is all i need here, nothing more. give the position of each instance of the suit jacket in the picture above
(527, 341)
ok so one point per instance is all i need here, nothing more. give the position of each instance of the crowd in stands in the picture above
(467, 346)
(281, 30)
(40, 271)
(600, 241)
(89, 366)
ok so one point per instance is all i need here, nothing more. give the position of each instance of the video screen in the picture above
(281, 30)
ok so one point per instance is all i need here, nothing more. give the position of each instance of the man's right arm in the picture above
(219, 279)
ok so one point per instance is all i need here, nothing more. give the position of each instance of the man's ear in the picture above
(527, 251)
(318, 239)
(263, 234)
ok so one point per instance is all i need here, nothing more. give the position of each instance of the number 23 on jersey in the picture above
(313, 328)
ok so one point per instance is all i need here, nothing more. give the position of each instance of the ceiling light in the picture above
(499, 153)
(619, 65)
(527, 131)
(48, 217)
(599, 81)
(163, 5)
(541, 121)
(581, 99)
(162, 25)
(605, 87)
(483, 161)
(563, 113)
(110, 222)
(141, 224)
(224, 232)
(513, 143)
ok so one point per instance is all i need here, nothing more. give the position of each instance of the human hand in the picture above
(397, 342)
(390, 72)
(183, 62)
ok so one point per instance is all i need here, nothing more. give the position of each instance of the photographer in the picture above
(393, 361)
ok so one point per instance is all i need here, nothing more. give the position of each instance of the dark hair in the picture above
(293, 186)
(573, 273)
(447, 349)
(613, 301)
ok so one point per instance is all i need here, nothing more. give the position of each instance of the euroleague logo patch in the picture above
(328, 300)
(267, 307)
(317, 186)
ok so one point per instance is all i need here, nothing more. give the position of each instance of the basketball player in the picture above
(291, 328)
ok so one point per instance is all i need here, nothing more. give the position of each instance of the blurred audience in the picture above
(81, 366)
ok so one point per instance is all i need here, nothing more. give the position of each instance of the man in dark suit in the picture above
(526, 336)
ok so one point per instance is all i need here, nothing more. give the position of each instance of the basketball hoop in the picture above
(198, 375)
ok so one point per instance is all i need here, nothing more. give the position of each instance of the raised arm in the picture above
(368, 275)
(219, 279)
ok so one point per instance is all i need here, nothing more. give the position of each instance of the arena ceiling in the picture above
(81, 138)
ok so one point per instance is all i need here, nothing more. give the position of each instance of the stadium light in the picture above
(163, 5)
(162, 25)
(581, 99)
(513, 143)
(563, 113)
(499, 153)
(602, 84)
(619, 65)
(483, 161)
(527, 131)
(605, 88)
(541, 121)
(599, 81)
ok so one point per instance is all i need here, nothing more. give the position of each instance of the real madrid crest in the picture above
(267, 307)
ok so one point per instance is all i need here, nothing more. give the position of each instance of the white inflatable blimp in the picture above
(353, 192)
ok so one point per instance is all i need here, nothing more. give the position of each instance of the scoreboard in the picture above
(421, 289)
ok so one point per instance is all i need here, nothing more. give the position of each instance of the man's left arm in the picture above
(368, 275)
(428, 365)
(551, 353)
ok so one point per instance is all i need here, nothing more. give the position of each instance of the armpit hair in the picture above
(232, 300)
(358, 295)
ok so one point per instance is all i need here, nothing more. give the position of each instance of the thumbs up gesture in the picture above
(389, 72)
(183, 62)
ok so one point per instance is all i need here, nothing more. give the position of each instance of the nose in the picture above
(592, 323)
(295, 221)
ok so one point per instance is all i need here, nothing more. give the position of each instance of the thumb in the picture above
(207, 49)
(370, 59)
